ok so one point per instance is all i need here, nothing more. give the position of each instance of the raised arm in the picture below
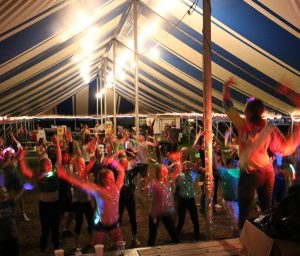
(109, 161)
(86, 185)
(226, 138)
(230, 110)
(152, 124)
(23, 166)
(16, 141)
(91, 149)
(76, 149)
(69, 140)
(68, 136)
(121, 175)
(285, 146)
(227, 89)
(199, 134)
(151, 144)
(90, 165)
(92, 146)
(58, 150)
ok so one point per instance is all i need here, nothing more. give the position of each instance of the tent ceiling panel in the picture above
(151, 94)
(18, 15)
(52, 49)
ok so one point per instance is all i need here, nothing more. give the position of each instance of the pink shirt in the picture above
(162, 198)
(107, 211)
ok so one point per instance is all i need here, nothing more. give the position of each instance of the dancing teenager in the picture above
(255, 138)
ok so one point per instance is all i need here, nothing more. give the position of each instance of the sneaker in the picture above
(25, 217)
(218, 206)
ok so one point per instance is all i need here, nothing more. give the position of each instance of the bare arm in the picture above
(68, 136)
(91, 149)
(199, 134)
(152, 144)
(283, 146)
(90, 165)
(86, 185)
(23, 166)
(226, 88)
(15, 140)
(58, 150)
(231, 112)
(121, 175)
(226, 138)
(121, 172)
(120, 178)
(76, 149)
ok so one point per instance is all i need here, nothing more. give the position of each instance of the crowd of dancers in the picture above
(95, 177)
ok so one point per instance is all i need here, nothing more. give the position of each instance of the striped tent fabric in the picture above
(55, 53)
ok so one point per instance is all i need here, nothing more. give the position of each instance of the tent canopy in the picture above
(51, 50)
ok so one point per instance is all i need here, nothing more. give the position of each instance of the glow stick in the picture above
(293, 171)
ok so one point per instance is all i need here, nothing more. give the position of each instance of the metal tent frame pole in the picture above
(101, 98)
(105, 95)
(136, 59)
(114, 88)
(97, 98)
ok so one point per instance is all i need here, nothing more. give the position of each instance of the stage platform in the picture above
(214, 247)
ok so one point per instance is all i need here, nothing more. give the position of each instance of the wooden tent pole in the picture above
(207, 114)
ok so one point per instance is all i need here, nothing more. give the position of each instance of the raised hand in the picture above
(230, 81)
(68, 136)
(226, 88)
(92, 146)
(54, 140)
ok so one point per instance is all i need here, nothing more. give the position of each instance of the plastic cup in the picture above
(59, 252)
(121, 248)
(99, 249)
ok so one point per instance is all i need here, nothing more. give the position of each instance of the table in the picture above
(228, 247)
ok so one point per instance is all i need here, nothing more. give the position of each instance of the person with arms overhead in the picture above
(255, 138)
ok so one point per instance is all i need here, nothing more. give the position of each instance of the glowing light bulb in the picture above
(100, 94)
(150, 28)
(132, 64)
(122, 76)
(154, 53)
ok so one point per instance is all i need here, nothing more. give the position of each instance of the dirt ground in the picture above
(29, 232)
